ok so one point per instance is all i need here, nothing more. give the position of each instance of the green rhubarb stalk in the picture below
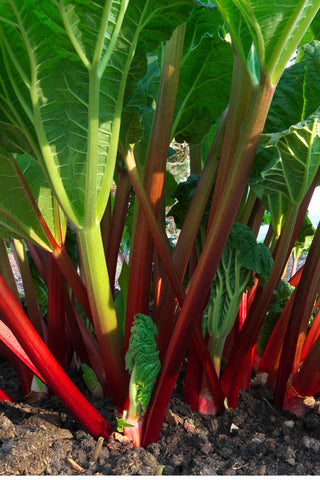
(103, 311)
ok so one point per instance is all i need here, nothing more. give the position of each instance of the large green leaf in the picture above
(139, 104)
(276, 29)
(18, 215)
(13, 140)
(312, 33)
(304, 239)
(43, 196)
(205, 76)
(69, 69)
(297, 95)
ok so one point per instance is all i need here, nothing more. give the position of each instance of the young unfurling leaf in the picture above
(242, 257)
(142, 361)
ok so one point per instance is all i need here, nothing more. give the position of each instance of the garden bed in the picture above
(254, 439)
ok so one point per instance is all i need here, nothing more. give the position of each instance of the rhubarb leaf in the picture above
(13, 140)
(279, 300)
(183, 194)
(44, 197)
(285, 166)
(69, 70)
(142, 361)
(304, 239)
(275, 28)
(241, 257)
(298, 92)
(91, 381)
(18, 209)
(205, 76)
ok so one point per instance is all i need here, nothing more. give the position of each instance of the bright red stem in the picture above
(306, 380)
(273, 348)
(49, 368)
(307, 291)
(25, 374)
(262, 300)
(4, 397)
(11, 342)
(312, 336)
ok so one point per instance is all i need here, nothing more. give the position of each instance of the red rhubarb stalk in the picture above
(312, 335)
(53, 375)
(142, 253)
(209, 260)
(4, 397)
(307, 291)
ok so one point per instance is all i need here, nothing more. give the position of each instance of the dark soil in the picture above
(254, 439)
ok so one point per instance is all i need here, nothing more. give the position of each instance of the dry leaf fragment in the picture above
(75, 466)
(173, 418)
(97, 450)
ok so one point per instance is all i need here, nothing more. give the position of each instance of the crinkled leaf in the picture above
(253, 256)
(241, 257)
(259, 260)
(142, 359)
(296, 159)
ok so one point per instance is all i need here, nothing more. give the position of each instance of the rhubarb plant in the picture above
(68, 105)
(92, 93)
